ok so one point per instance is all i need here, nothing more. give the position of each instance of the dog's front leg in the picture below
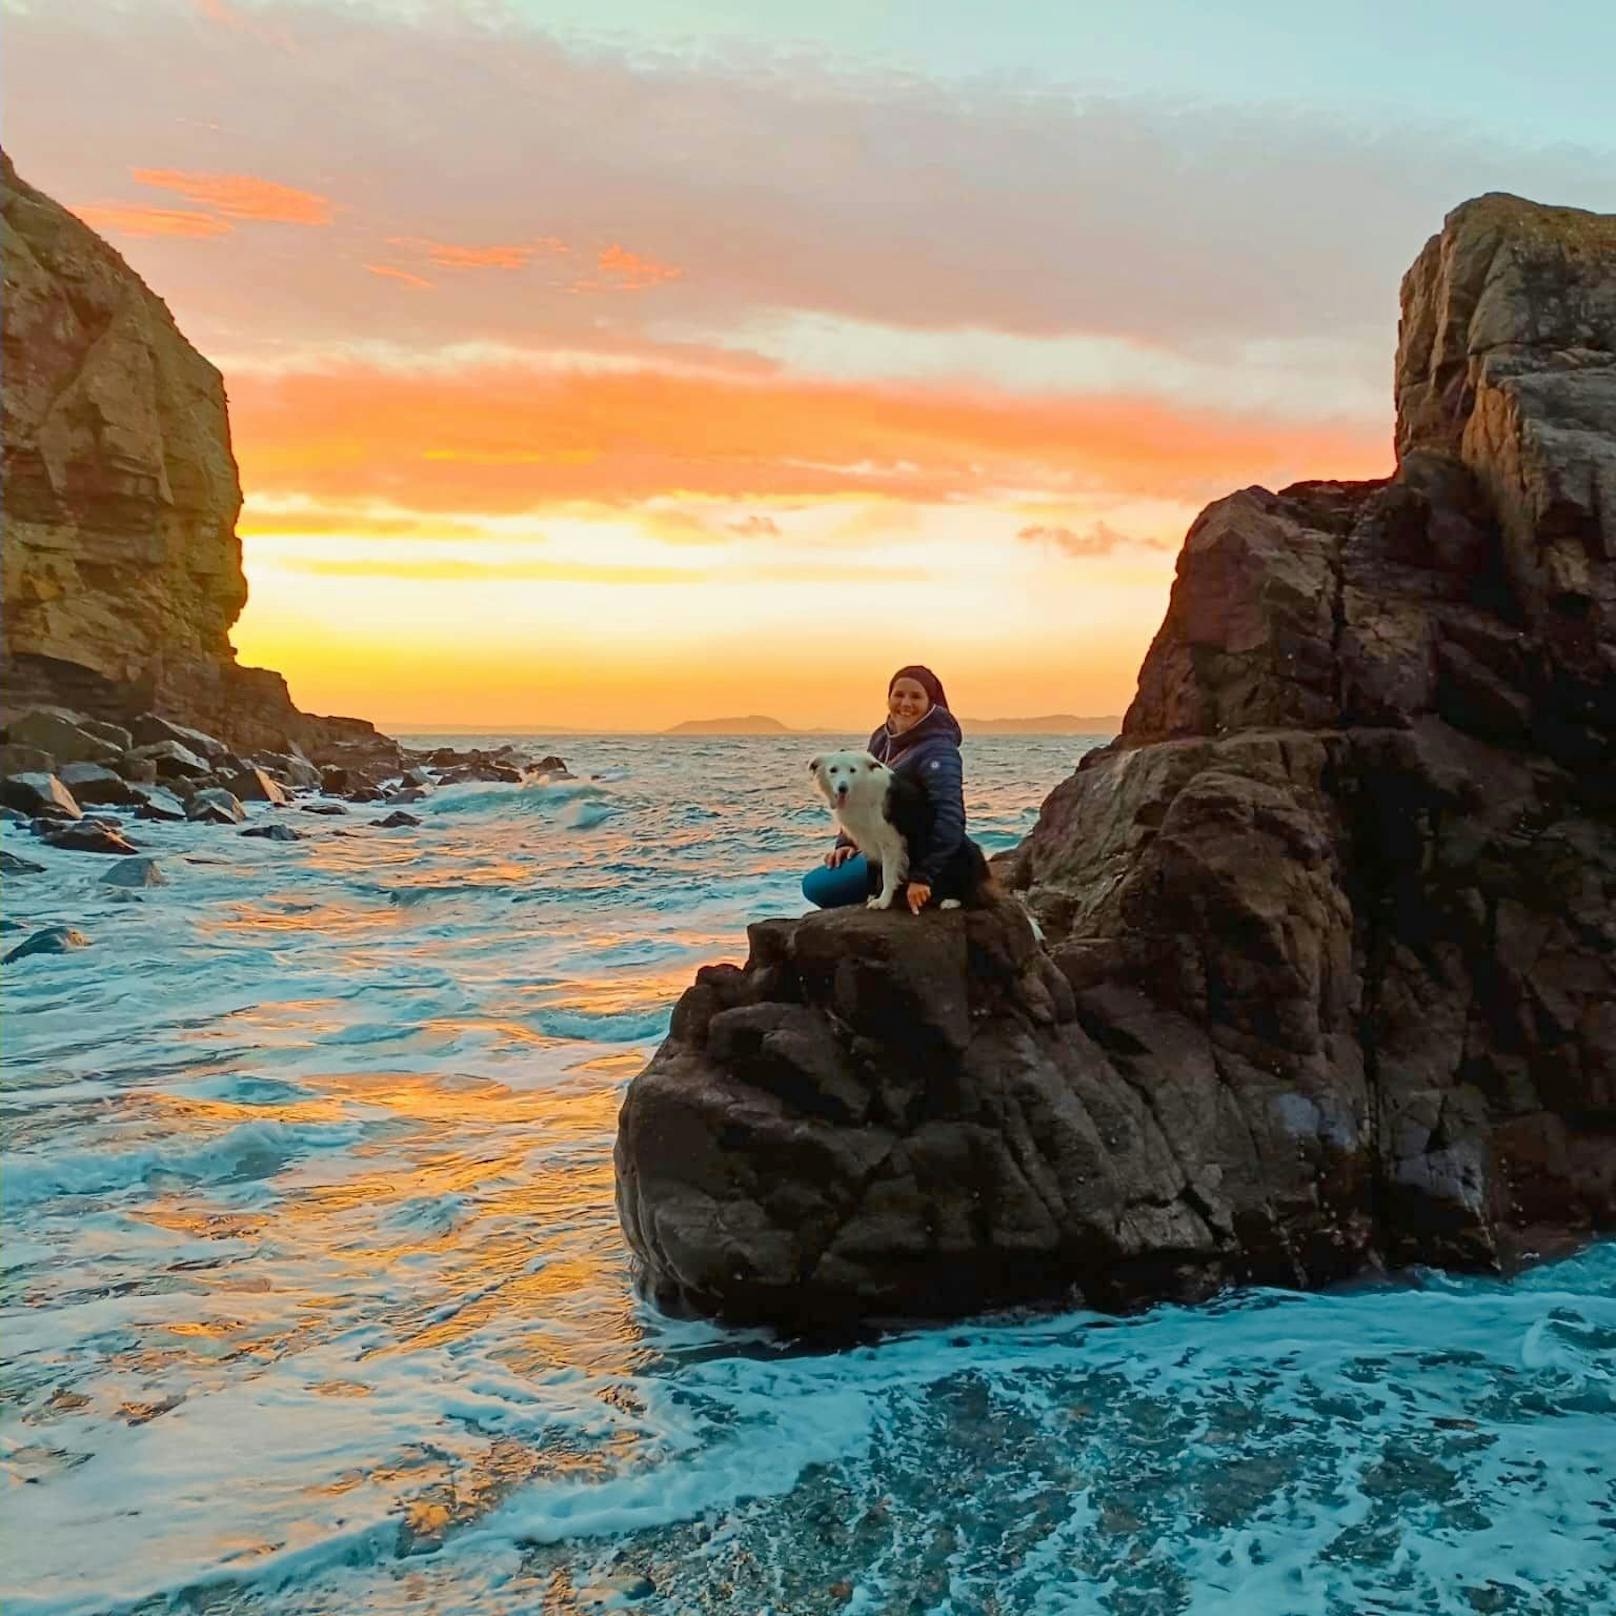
(894, 856)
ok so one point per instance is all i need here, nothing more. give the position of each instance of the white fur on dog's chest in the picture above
(861, 813)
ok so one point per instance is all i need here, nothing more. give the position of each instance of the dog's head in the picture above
(838, 773)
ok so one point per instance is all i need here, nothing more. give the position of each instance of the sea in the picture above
(315, 1298)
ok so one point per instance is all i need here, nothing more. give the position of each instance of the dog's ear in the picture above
(813, 765)
(872, 765)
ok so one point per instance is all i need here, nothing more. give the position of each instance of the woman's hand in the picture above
(839, 855)
(918, 895)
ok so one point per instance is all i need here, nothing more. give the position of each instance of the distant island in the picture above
(752, 724)
(1049, 724)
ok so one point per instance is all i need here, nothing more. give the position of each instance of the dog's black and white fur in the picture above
(883, 813)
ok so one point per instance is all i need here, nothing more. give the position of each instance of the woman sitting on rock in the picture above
(920, 739)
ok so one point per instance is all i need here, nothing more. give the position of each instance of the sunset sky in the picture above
(717, 358)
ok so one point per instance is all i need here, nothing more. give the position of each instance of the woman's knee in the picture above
(828, 888)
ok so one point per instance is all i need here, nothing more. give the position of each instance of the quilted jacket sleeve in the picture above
(944, 780)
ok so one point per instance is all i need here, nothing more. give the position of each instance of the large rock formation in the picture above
(1330, 977)
(122, 569)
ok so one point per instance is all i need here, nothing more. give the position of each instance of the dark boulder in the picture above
(95, 783)
(1328, 980)
(153, 802)
(172, 759)
(10, 864)
(41, 796)
(215, 806)
(327, 808)
(59, 735)
(18, 759)
(273, 833)
(90, 836)
(254, 785)
(397, 818)
(149, 729)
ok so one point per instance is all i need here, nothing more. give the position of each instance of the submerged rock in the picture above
(135, 872)
(273, 833)
(1330, 976)
(10, 864)
(397, 818)
(52, 940)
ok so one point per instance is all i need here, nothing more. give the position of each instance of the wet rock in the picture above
(342, 780)
(253, 785)
(40, 796)
(52, 940)
(395, 819)
(411, 794)
(1329, 973)
(16, 759)
(11, 816)
(479, 773)
(135, 872)
(418, 776)
(172, 760)
(215, 806)
(153, 802)
(328, 808)
(11, 864)
(273, 833)
(61, 737)
(96, 783)
(90, 836)
(365, 794)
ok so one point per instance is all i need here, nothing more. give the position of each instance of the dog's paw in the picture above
(949, 903)
(875, 903)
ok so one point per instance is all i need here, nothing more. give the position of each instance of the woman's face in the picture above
(907, 703)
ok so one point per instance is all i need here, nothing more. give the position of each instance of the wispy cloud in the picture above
(454, 255)
(1097, 539)
(392, 272)
(241, 196)
(132, 219)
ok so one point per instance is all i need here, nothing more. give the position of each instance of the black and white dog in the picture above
(885, 813)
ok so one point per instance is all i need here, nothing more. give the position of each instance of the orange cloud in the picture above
(625, 271)
(241, 196)
(132, 219)
(503, 438)
(450, 255)
(392, 274)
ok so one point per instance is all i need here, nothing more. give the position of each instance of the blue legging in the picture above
(848, 883)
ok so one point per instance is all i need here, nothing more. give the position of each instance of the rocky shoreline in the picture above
(78, 783)
(1328, 977)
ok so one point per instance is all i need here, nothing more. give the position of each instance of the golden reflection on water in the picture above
(236, 922)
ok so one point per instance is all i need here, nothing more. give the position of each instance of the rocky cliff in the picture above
(122, 569)
(1329, 974)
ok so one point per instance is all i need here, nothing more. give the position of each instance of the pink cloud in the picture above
(453, 255)
(134, 219)
(392, 273)
(241, 196)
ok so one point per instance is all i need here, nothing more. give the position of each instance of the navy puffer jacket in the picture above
(930, 754)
